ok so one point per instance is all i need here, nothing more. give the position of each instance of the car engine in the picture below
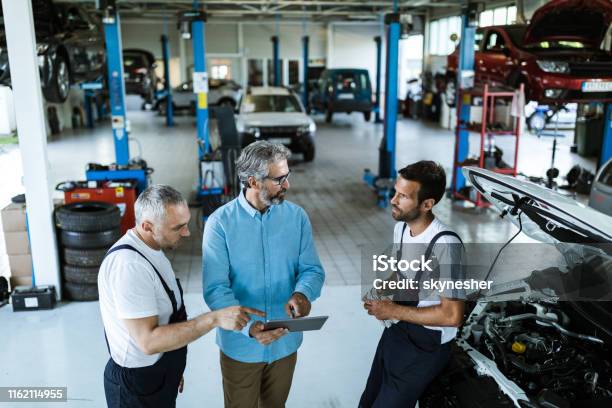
(532, 354)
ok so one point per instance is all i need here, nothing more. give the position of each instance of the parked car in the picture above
(558, 56)
(276, 114)
(601, 192)
(139, 73)
(221, 92)
(70, 47)
(343, 90)
(541, 338)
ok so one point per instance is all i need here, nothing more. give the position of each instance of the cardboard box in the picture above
(13, 217)
(20, 265)
(17, 243)
(20, 281)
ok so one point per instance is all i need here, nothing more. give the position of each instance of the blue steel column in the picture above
(305, 58)
(606, 146)
(390, 119)
(167, 87)
(199, 56)
(466, 63)
(378, 41)
(116, 88)
(276, 61)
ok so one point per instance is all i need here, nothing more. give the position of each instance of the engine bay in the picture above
(527, 354)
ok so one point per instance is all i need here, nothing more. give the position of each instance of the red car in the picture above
(560, 56)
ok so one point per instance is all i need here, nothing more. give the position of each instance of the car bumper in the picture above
(297, 143)
(350, 105)
(567, 89)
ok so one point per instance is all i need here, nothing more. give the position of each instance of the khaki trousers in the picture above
(257, 385)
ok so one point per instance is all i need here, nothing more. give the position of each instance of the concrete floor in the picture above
(65, 347)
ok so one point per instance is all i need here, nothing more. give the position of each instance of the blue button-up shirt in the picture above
(259, 260)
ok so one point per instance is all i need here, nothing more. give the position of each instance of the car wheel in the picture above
(81, 274)
(59, 84)
(367, 116)
(89, 216)
(80, 291)
(309, 153)
(84, 257)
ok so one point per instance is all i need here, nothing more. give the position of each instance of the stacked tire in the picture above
(86, 231)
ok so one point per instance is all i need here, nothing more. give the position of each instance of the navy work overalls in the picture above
(151, 386)
(408, 357)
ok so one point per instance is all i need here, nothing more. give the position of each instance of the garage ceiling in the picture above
(313, 10)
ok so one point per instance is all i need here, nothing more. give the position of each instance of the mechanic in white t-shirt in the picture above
(413, 350)
(142, 307)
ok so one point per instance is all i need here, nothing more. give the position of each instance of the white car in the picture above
(276, 114)
(542, 338)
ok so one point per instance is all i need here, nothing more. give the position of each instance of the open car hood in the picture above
(586, 21)
(548, 216)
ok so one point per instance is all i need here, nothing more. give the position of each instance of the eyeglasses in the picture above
(280, 180)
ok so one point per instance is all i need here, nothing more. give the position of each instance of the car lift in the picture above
(384, 181)
(123, 169)
(167, 92)
(276, 60)
(606, 145)
(305, 96)
(465, 80)
(210, 168)
(378, 41)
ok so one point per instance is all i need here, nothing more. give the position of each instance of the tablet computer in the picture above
(297, 324)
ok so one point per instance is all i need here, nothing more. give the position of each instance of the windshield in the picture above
(270, 103)
(134, 61)
(516, 34)
(351, 81)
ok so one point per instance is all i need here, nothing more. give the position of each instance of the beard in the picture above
(407, 216)
(268, 199)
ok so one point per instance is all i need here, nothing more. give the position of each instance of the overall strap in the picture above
(429, 249)
(169, 292)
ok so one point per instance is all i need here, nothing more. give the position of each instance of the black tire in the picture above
(80, 274)
(59, 84)
(80, 291)
(367, 115)
(89, 240)
(309, 153)
(89, 216)
(84, 257)
(328, 116)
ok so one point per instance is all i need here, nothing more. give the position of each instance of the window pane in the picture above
(499, 16)
(486, 18)
(443, 36)
(433, 38)
(511, 19)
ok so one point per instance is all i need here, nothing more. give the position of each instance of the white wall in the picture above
(353, 44)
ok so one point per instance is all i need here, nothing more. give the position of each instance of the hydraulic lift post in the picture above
(384, 181)
(167, 87)
(378, 41)
(275, 60)
(305, 73)
(606, 146)
(465, 78)
(121, 169)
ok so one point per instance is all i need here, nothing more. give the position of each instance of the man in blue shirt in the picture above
(258, 251)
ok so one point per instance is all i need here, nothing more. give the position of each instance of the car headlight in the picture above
(254, 131)
(309, 128)
(556, 67)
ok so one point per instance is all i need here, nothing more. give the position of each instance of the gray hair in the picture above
(151, 203)
(256, 158)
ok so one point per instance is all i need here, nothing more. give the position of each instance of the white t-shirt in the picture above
(441, 252)
(130, 289)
